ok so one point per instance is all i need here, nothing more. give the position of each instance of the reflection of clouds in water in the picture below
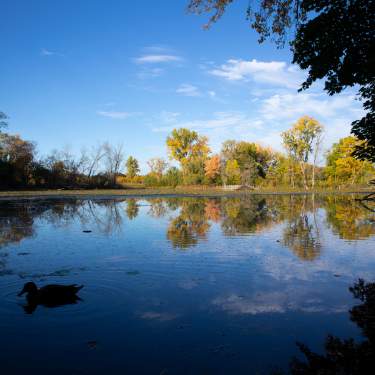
(337, 257)
(273, 302)
(188, 284)
(274, 259)
(158, 316)
(235, 304)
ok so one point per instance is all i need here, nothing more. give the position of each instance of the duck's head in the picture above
(29, 288)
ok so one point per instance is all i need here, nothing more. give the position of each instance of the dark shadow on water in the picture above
(32, 304)
(51, 296)
(344, 356)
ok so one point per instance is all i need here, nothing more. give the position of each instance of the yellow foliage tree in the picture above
(342, 167)
(232, 172)
(301, 140)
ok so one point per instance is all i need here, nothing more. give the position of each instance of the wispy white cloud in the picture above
(157, 59)
(115, 115)
(47, 52)
(187, 89)
(220, 120)
(150, 72)
(277, 73)
(168, 117)
(271, 115)
(153, 61)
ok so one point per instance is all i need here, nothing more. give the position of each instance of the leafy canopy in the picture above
(132, 167)
(184, 144)
(299, 139)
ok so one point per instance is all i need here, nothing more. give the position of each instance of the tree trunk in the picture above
(313, 177)
(303, 170)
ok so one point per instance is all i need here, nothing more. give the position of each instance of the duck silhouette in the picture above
(52, 295)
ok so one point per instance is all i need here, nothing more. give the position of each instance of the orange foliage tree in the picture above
(212, 167)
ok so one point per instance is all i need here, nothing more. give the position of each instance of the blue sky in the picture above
(75, 73)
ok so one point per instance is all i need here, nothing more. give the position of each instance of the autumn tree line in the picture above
(190, 162)
(251, 165)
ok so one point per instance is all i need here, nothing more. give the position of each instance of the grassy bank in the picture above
(183, 191)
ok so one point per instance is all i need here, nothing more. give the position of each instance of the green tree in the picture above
(232, 173)
(253, 161)
(172, 177)
(281, 171)
(332, 40)
(246, 157)
(132, 167)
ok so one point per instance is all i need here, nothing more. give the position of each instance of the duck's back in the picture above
(56, 291)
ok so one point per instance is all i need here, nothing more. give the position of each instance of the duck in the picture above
(52, 295)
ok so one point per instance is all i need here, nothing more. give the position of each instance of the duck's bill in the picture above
(21, 292)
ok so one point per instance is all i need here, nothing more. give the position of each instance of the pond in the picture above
(180, 285)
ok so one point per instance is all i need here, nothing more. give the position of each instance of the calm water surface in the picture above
(180, 285)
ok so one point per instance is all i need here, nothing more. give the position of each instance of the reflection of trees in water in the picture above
(349, 219)
(244, 215)
(158, 207)
(236, 215)
(212, 210)
(301, 233)
(18, 218)
(345, 356)
(16, 223)
(61, 213)
(190, 225)
(132, 208)
(103, 215)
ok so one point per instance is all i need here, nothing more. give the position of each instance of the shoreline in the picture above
(156, 193)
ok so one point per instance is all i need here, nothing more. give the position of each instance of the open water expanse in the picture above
(180, 285)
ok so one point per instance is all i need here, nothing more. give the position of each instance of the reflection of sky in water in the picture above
(207, 283)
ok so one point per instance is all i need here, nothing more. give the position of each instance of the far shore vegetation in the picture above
(240, 165)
